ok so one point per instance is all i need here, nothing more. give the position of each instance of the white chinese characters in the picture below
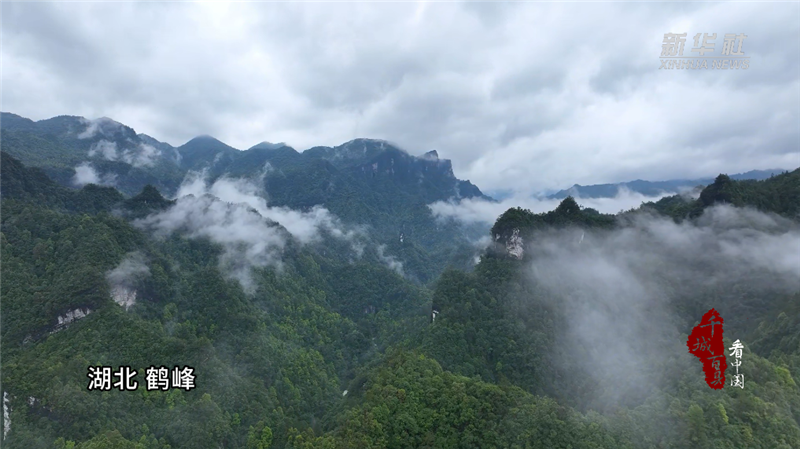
(738, 379)
(102, 378)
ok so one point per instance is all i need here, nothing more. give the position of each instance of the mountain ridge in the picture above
(654, 188)
(364, 182)
(354, 343)
(203, 151)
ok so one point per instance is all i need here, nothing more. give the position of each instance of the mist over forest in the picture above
(358, 296)
(512, 225)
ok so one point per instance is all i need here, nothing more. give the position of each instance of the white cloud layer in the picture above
(247, 238)
(122, 279)
(304, 226)
(138, 155)
(85, 173)
(618, 287)
(522, 96)
(142, 155)
(389, 260)
(476, 210)
(234, 213)
(132, 268)
(104, 148)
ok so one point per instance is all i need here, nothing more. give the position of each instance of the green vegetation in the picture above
(779, 194)
(364, 182)
(334, 352)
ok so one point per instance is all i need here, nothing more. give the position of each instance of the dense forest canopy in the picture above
(322, 305)
(368, 183)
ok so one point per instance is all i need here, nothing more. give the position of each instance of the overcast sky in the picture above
(520, 96)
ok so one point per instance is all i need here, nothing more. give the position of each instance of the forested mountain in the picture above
(654, 188)
(65, 266)
(365, 182)
(305, 291)
(74, 150)
(778, 194)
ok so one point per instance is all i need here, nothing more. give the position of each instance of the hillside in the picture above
(655, 188)
(365, 183)
(305, 330)
(778, 194)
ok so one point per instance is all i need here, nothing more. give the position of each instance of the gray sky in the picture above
(520, 96)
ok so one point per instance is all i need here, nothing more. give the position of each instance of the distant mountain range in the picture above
(324, 306)
(654, 188)
(59, 144)
(364, 182)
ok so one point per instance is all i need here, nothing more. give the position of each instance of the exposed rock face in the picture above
(123, 296)
(515, 244)
(69, 317)
(431, 156)
(6, 418)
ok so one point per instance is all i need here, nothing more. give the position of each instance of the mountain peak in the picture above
(107, 120)
(15, 122)
(431, 156)
(365, 140)
(205, 140)
(268, 146)
(654, 188)
(203, 137)
(150, 140)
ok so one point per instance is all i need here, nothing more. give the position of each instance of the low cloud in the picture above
(104, 148)
(514, 94)
(129, 271)
(103, 126)
(305, 226)
(389, 260)
(476, 210)
(619, 288)
(249, 240)
(234, 214)
(86, 174)
(92, 126)
(479, 246)
(142, 155)
(124, 277)
(138, 155)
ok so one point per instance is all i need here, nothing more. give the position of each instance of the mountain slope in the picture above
(83, 287)
(778, 194)
(366, 183)
(578, 341)
(205, 151)
(654, 188)
(107, 151)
